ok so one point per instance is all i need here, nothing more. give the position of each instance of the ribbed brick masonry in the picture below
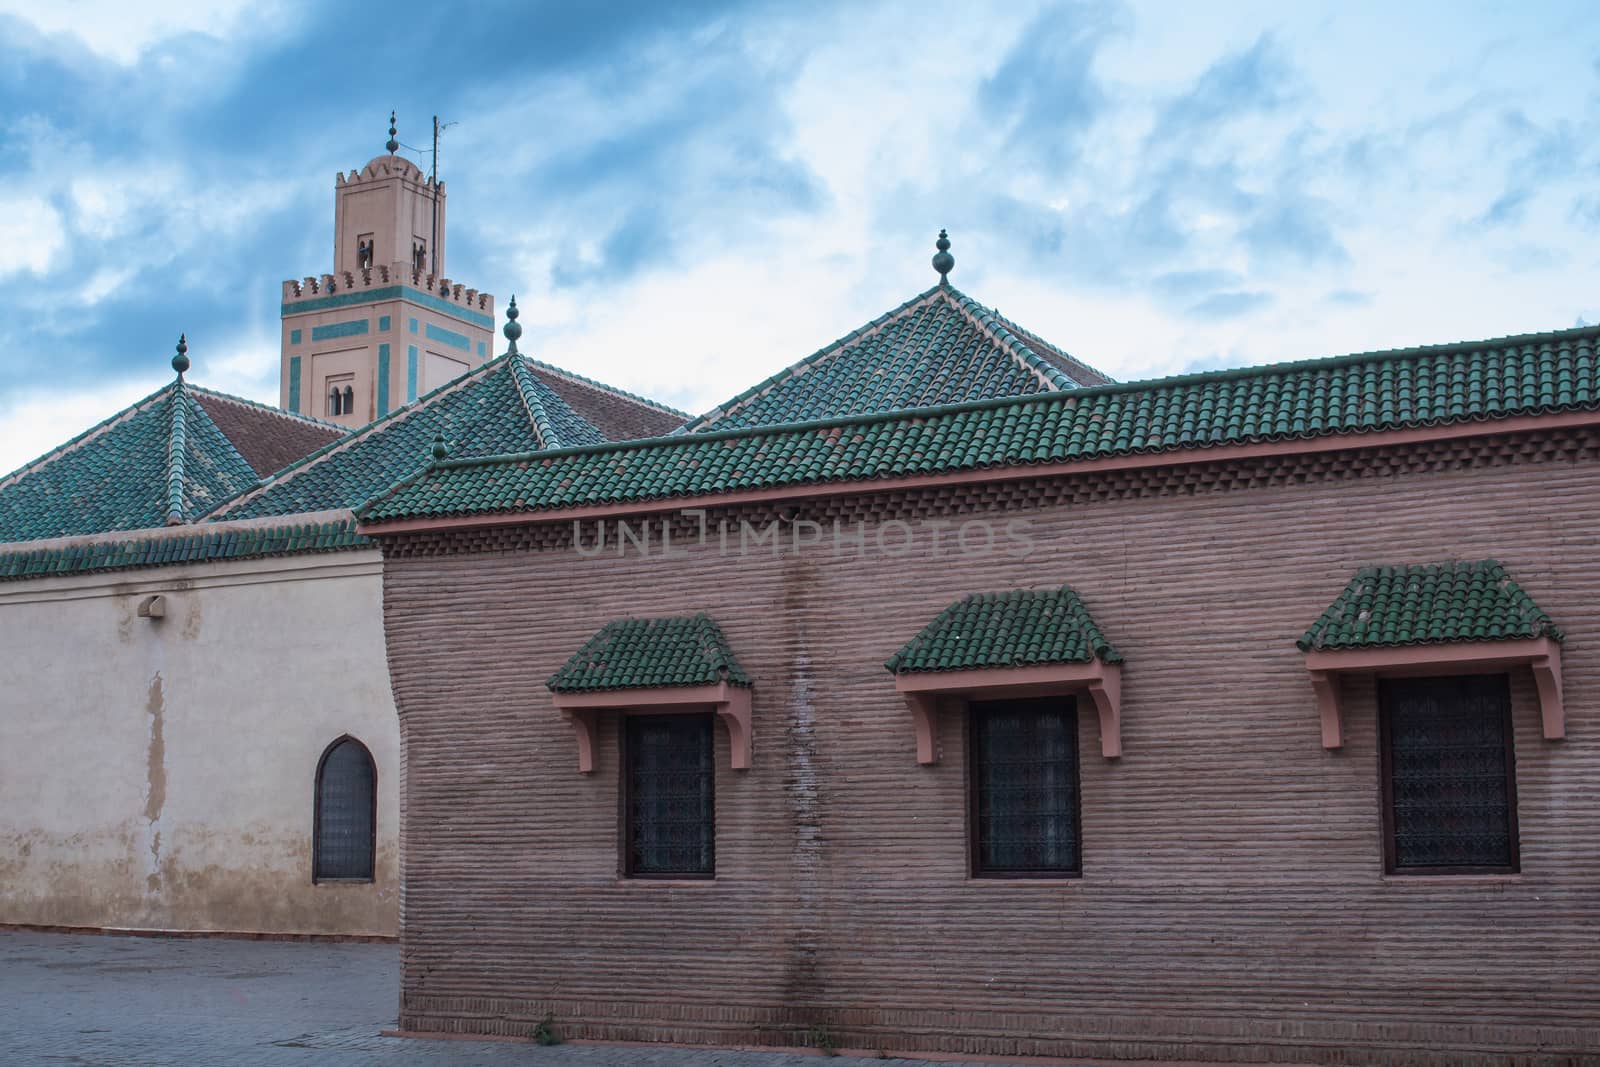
(1233, 903)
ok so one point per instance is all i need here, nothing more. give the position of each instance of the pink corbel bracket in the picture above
(732, 704)
(1326, 686)
(1102, 681)
(1542, 655)
(584, 729)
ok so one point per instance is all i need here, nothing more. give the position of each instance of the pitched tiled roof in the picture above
(268, 438)
(1431, 604)
(1369, 393)
(194, 544)
(646, 653)
(160, 460)
(499, 407)
(1025, 628)
(616, 413)
(942, 347)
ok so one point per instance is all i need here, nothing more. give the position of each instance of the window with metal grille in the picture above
(668, 802)
(1024, 787)
(1450, 801)
(346, 815)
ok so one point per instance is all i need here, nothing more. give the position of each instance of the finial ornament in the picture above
(440, 449)
(512, 329)
(180, 362)
(391, 144)
(943, 261)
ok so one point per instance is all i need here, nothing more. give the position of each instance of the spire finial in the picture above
(943, 261)
(440, 449)
(513, 329)
(391, 144)
(180, 362)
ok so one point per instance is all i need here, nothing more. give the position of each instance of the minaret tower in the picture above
(386, 325)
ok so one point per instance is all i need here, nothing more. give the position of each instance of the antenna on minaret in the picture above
(391, 144)
(436, 128)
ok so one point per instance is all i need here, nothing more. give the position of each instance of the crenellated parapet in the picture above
(383, 168)
(314, 287)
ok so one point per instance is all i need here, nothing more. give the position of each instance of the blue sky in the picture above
(686, 197)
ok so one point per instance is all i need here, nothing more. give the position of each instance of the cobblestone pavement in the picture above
(71, 999)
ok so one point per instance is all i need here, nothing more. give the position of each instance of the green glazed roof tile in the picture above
(649, 653)
(497, 408)
(1349, 395)
(1024, 628)
(942, 347)
(1430, 604)
(157, 461)
(195, 544)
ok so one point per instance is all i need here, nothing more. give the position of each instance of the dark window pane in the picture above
(346, 795)
(1450, 795)
(670, 769)
(1025, 786)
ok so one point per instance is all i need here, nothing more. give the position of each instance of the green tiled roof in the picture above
(200, 544)
(637, 398)
(497, 408)
(647, 653)
(1024, 628)
(941, 347)
(1362, 394)
(1428, 604)
(160, 460)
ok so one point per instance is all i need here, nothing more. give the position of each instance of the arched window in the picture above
(349, 399)
(347, 814)
(335, 402)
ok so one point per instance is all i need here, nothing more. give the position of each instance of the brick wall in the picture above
(1233, 902)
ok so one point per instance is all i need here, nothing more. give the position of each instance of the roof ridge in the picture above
(788, 372)
(1029, 337)
(340, 443)
(996, 329)
(596, 383)
(292, 416)
(177, 441)
(85, 437)
(543, 427)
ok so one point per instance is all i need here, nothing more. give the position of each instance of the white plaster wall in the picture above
(159, 774)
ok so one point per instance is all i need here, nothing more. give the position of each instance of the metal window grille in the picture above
(1450, 795)
(1025, 787)
(346, 815)
(669, 803)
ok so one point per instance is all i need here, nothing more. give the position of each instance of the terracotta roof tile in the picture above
(268, 438)
(619, 415)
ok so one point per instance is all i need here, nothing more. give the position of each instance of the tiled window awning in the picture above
(1013, 644)
(657, 666)
(1458, 617)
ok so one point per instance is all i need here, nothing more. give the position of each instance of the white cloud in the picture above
(31, 235)
(33, 421)
(121, 31)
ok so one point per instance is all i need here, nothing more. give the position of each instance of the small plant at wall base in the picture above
(821, 1038)
(545, 1032)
